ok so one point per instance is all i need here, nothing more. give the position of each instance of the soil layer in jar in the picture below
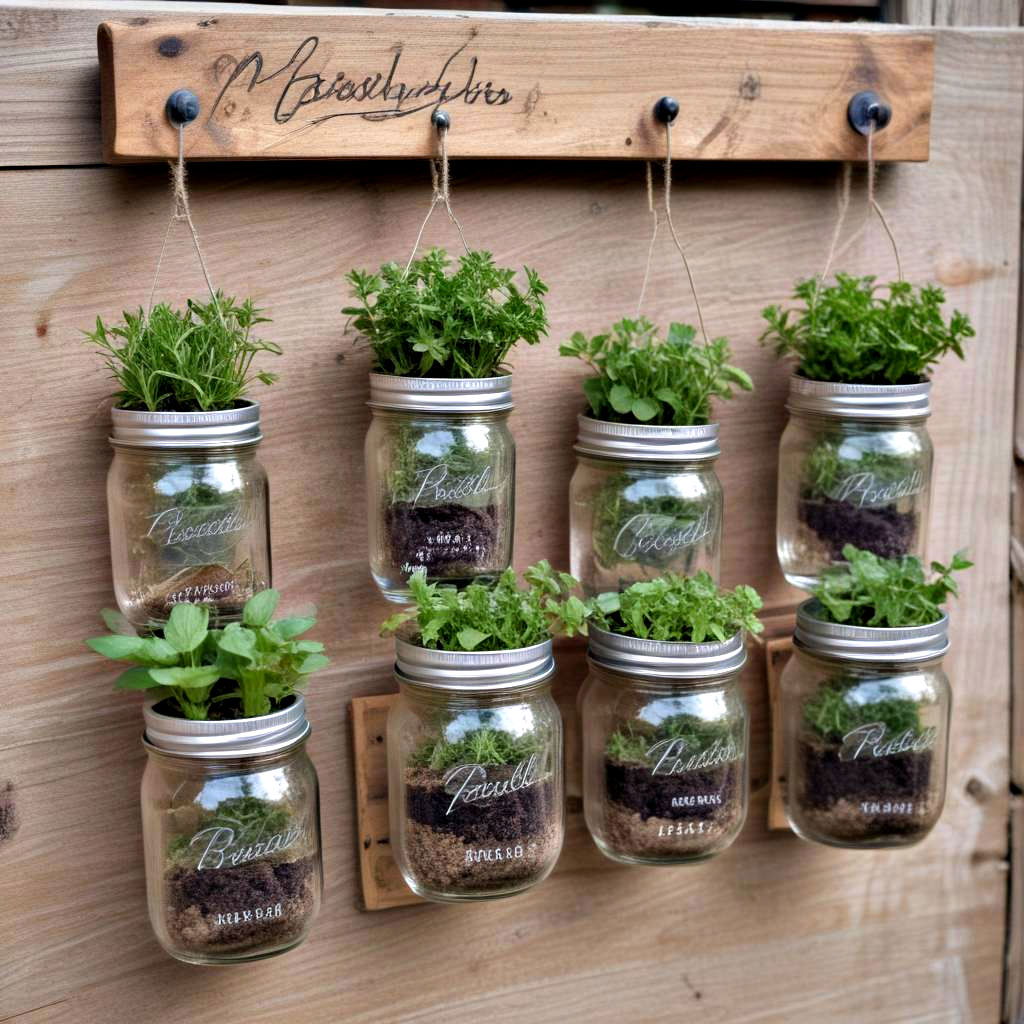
(491, 845)
(882, 530)
(868, 799)
(451, 542)
(254, 908)
(224, 590)
(660, 817)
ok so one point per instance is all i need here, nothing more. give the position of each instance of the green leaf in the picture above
(470, 638)
(260, 607)
(313, 663)
(116, 622)
(621, 398)
(185, 678)
(158, 651)
(135, 679)
(120, 648)
(645, 409)
(288, 629)
(238, 640)
(186, 627)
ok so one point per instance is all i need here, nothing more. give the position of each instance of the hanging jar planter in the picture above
(665, 724)
(230, 807)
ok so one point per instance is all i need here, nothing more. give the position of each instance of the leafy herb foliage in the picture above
(642, 378)
(826, 468)
(679, 609)
(499, 616)
(887, 592)
(833, 712)
(850, 333)
(431, 323)
(251, 818)
(199, 358)
(634, 740)
(256, 663)
(484, 745)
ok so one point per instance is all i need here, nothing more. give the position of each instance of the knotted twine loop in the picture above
(441, 187)
(182, 212)
(667, 187)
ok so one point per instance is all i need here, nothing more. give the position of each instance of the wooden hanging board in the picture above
(777, 653)
(361, 84)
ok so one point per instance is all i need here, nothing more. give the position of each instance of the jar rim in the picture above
(643, 442)
(840, 400)
(440, 394)
(233, 737)
(659, 659)
(481, 671)
(214, 429)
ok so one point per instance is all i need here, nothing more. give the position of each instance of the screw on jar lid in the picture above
(644, 443)
(473, 670)
(440, 394)
(656, 659)
(235, 737)
(874, 644)
(222, 428)
(859, 401)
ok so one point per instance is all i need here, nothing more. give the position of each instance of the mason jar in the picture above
(440, 480)
(643, 501)
(231, 827)
(665, 739)
(855, 467)
(189, 512)
(476, 794)
(865, 714)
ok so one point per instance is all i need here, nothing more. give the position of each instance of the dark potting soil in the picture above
(238, 909)
(447, 540)
(224, 591)
(882, 530)
(696, 794)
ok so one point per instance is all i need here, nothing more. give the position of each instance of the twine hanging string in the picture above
(441, 186)
(182, 212)
(667, 187)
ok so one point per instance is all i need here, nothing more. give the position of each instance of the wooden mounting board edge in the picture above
(354, 84)
(776, 654)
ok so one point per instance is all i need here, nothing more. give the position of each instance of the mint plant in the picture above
(499, 616)
(643, 378)
(196, 359)
(851, 332)
(679, 609)
(429, 322)
(245, 670)
(888, 592)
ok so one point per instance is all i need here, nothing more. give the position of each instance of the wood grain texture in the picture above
(777, 653)
(774, 930)
(352, 84)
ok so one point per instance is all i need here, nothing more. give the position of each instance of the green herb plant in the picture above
(633, 741)
(642, 378)
(250, 818)
(887, 592)
(679, 609)
(196, 359)
(253, 666)
(826, 468)
(481, 745)
(416, 451)
(858, 332)
(833, 712)
(430, 322)
(498, 616)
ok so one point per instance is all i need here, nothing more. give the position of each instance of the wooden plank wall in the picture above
(774, 930)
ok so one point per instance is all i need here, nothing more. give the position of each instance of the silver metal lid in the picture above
(238, 737)
(473, 670)
(640, 442)
(655, 659)
(859, 401)
(226, 428)
(869, 643)
(440, 394)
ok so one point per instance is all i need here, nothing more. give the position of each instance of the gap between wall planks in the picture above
(363, 84)
(775, 930)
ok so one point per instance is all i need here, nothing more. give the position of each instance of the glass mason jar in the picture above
(475, 771)
(643, 501)
(189, 512)
(231, 826)
(665, 738)
(441, 476)
(865, 716)
(855, 467)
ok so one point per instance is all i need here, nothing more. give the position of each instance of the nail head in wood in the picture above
(867, 109)
(666, 110)
(441, 120)
(182, 107)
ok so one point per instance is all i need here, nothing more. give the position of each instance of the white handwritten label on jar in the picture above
(222, 850)
(871, 741)
(669, 757)
(863, 490)
(437, 485)
(687, 828)
(496, 854)
(898, 808)
(175, 526)
(652, 534)
(267, 913)
(469, 783)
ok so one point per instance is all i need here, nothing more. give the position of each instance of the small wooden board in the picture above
(777, 653)
(359, 84)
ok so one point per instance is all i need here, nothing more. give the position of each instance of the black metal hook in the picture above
(666, 110)
(441, 119)
(182, 107)
(868, 109)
